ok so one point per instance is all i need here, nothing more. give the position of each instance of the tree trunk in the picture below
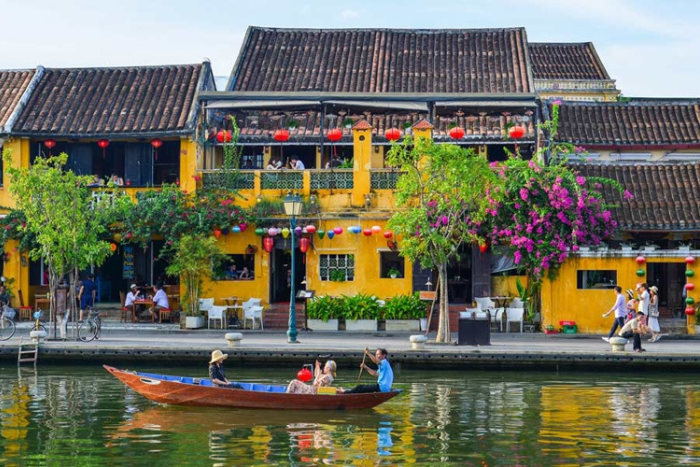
(53, 287)
(443, 334)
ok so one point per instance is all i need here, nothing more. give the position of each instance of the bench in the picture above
(233, 338)
(418, 341)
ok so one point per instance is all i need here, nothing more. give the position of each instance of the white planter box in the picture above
(423, 324)
(194, 322)
(320, 325)
(684, 248)
(361, 325)
(402, 325)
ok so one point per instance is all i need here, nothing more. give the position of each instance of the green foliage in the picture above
(338, 276)
(293, 124)
(393, 272)
(347, 163)
(14, 227)
(324, 308)
(404, 307)
(193, 260)
(348, 121)
(359, 306)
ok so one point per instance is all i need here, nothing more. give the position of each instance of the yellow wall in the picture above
(505, 286)
(562, 301)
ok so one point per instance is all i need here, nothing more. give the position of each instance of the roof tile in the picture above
(13, 83)
(566, 61)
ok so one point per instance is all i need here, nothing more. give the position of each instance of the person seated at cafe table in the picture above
(160, 300)
(232, 272)
(132, 296)
(245, 274)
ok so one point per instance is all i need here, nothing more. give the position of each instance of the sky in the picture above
(651, 47)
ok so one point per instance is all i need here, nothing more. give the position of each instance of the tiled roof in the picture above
(362, 125)
(92, 102)
(13, 83)
(639, 122)
(383, 61)
(665, 195)
(423, 124)
(566, 61)
(259, 128)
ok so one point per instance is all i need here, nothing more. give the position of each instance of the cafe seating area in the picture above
(502, 311)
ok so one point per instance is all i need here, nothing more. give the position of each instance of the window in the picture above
(235, 267)
(390, 263)
(596, 279)
(337, 268)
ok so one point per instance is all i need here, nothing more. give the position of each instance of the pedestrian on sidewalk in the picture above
(631, 305)
(634, 328)
(654, 315)
(644, 299)
(620, 310)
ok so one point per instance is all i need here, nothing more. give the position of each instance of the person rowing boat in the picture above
(384, 374)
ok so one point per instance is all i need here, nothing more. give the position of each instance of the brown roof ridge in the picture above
(562, 44)
(584, 64)
(362, 125)
(125, 67)
(634, 102)
(417, 30)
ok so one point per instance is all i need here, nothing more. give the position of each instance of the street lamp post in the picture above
(292, 207)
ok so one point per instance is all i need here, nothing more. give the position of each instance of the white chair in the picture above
(486, 304)
(514, 315)
(217, 313)
(253, 313)
(517, 303)
(205, 304)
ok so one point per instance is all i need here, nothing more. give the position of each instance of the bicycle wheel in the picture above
(7, 328)
(87, 331)
(98, 331)
(40, 328)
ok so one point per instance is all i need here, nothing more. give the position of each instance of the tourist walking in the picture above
(620, 310)
(653, 318)
(644, 298)
(631, 304)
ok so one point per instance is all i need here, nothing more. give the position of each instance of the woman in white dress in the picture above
(653, 317)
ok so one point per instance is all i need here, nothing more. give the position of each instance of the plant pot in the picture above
(402, 325)
(361, 325)
(423, 324)
(393, 276)
(320, 325)
(194, 322)
(551, 331)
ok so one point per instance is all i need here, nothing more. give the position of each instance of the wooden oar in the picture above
(361, 368)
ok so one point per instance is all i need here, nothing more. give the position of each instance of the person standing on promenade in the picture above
(644, 299)
(384, 374)
(634, 328)
(620, 312)
(86, 293)
(653, 318)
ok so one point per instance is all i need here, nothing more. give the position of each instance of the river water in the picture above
(80, 415)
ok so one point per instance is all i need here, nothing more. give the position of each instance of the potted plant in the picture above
(194, 260)
(292, 124)
(322, 313)
(549, 329)
(403, 312)
(338, 275)
(393, 273)
(407, 127)
(348, 122)
(361, 312)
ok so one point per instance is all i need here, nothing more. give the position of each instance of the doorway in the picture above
(281, 270)
(669, 278)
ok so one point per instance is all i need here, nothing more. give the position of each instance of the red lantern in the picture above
(367, 232)
(689, 310)
(223, 136)
(641, 259)
(689, 286)
(334, 135)
(103, 143)
(311, 229)
(516, 132)
(268, 243)
(689, 260)
(392, 134)
(281, 135)
(457, 132)
(388, 234)
(217, 233)
(483, 247)
(338, 230)
(49, 143)
(156, 143)
(304, 375)
(177, 181)
(112, 247)
(304, 244)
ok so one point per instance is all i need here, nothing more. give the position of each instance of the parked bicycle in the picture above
(37, 321)
(91, 327)
(7, 326)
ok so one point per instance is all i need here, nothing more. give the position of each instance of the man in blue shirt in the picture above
(384, 374)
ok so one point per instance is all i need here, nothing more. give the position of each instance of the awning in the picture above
(493, 103)
(389, 105)
(501, 263)
(260, 104)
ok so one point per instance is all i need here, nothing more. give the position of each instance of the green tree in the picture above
(441, 195)
(194, 258)
(69, 224)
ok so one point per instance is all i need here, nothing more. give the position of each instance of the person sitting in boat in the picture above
(321, 378)
(384, 374)
(216, 371)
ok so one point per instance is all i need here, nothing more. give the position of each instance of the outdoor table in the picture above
(500, 301)
(231, 304)
(137, 303)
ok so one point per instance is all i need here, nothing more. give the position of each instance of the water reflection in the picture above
(442, 418)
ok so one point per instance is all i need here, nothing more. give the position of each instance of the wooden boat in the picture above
(183, 390)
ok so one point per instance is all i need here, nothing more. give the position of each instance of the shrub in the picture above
(323, 308)
(360, 306)
(404, 307)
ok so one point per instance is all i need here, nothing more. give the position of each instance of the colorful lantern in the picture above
(641, 259)
(311, 229)
(243, 226)
(268, 243)
(388, 234)
(457, 132)
(392, 134)
(367, 232)
(223, 136)
(156, 143)
(297, 231)
(236, 229)
(285, 232)
(117, 237)
(49, 143)
(334, 135)
(103, 143)
(689, 310)
(689, 301)
(217, 233)
(225, 231)
(338, 230)
(304, 375)
(689, 286)
(281, 135)
(483, 247)
(321, 233)
(259, 231)
(516, 132)
(331, 234)
(113, 247)
(376, 229)
(304, 244)
(641, 272)
(689, 260)
(272, 232)
(689, 273)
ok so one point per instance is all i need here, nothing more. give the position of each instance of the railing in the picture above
(282, 180)
(329, 180)
(573, 84)
(383, 179)
(241, 180)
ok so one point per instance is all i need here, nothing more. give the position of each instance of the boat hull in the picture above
(178, 393)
